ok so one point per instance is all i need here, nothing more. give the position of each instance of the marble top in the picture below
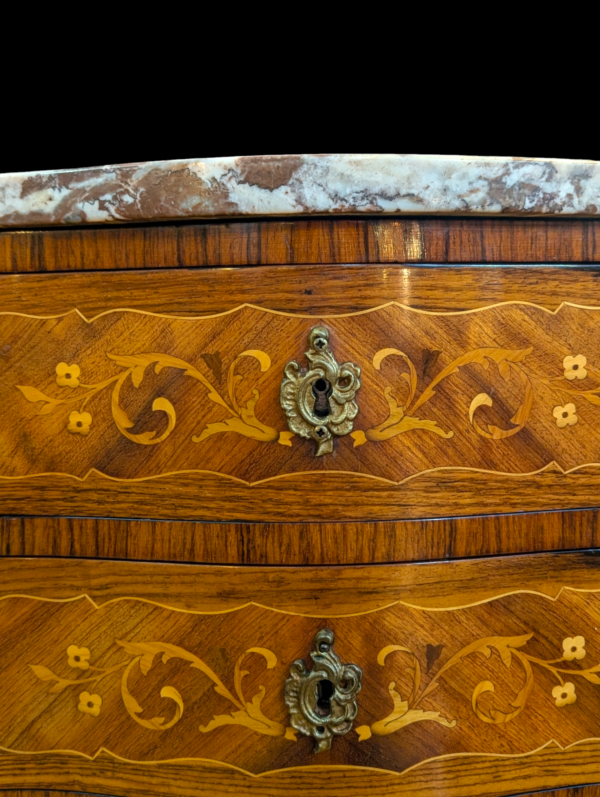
(295, 185)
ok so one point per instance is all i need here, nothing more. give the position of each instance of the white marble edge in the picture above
(300, 185)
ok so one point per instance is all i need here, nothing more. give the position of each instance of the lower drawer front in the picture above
(477, 677)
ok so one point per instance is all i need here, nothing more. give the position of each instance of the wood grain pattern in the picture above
(311, 290)
(303, 283)
(455, 493)
(578, 791)
(423, 382)
(307, 590)
(299, 543)
(506, 677)
(322, 241)
(530, 639)
(473, 777)
(583, 791)
(540, 422)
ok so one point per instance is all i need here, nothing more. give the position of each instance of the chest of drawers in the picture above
(302, 505)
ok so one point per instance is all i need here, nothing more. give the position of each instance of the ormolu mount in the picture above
(319, 403)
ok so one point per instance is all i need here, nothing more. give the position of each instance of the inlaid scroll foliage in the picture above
(143, 654)
(566, 385)
(403, 418)
(242, 419)
(406, 710)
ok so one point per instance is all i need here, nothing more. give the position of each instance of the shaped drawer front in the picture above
(474, 677)
(431, 392)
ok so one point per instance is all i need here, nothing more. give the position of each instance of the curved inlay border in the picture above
(522, 365)
(517, 657)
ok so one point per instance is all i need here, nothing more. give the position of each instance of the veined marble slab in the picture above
(284, 185)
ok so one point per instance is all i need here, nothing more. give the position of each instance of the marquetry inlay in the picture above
(143, 655)
(147, 683)
(241, 419)
(508, 649)
(509, 389)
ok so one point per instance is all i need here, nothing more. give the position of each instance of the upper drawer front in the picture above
(302, 393)
(476, 678)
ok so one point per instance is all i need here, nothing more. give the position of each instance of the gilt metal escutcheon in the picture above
(322, 701)
(319, 403)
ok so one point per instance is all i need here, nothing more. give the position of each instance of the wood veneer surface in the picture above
(452, 779)
(312, 289)
(305, 290)
(523, 322)
(582, 791)
(317, 241)
(299, 543)
(578, 791)
(503, 619)
(317, 591)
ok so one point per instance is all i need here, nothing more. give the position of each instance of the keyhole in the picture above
(325, 690)
(321, 390)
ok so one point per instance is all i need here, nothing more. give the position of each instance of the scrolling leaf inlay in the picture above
(406, 712)
(243, 420)
(248, 713)
(470, 693)
(496, 390)
(402, 418)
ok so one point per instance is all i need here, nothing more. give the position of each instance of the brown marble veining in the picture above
(283, 185)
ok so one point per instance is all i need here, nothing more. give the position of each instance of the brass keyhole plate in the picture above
(320, 402)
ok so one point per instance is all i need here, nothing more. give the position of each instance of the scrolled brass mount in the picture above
(322, 701)
(319, 403)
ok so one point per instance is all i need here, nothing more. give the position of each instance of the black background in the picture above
(144, 84)
(96, 126)
(45, 156)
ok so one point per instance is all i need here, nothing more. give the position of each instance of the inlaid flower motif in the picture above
(565, 416)
(79, 422)
(564, 695)
(575, 367)
(78, 657)
(67, 375)
(89, 704)
(573, 648)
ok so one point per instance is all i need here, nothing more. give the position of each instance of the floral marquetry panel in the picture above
(180, 399)
(509, 391)
(496, 679)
